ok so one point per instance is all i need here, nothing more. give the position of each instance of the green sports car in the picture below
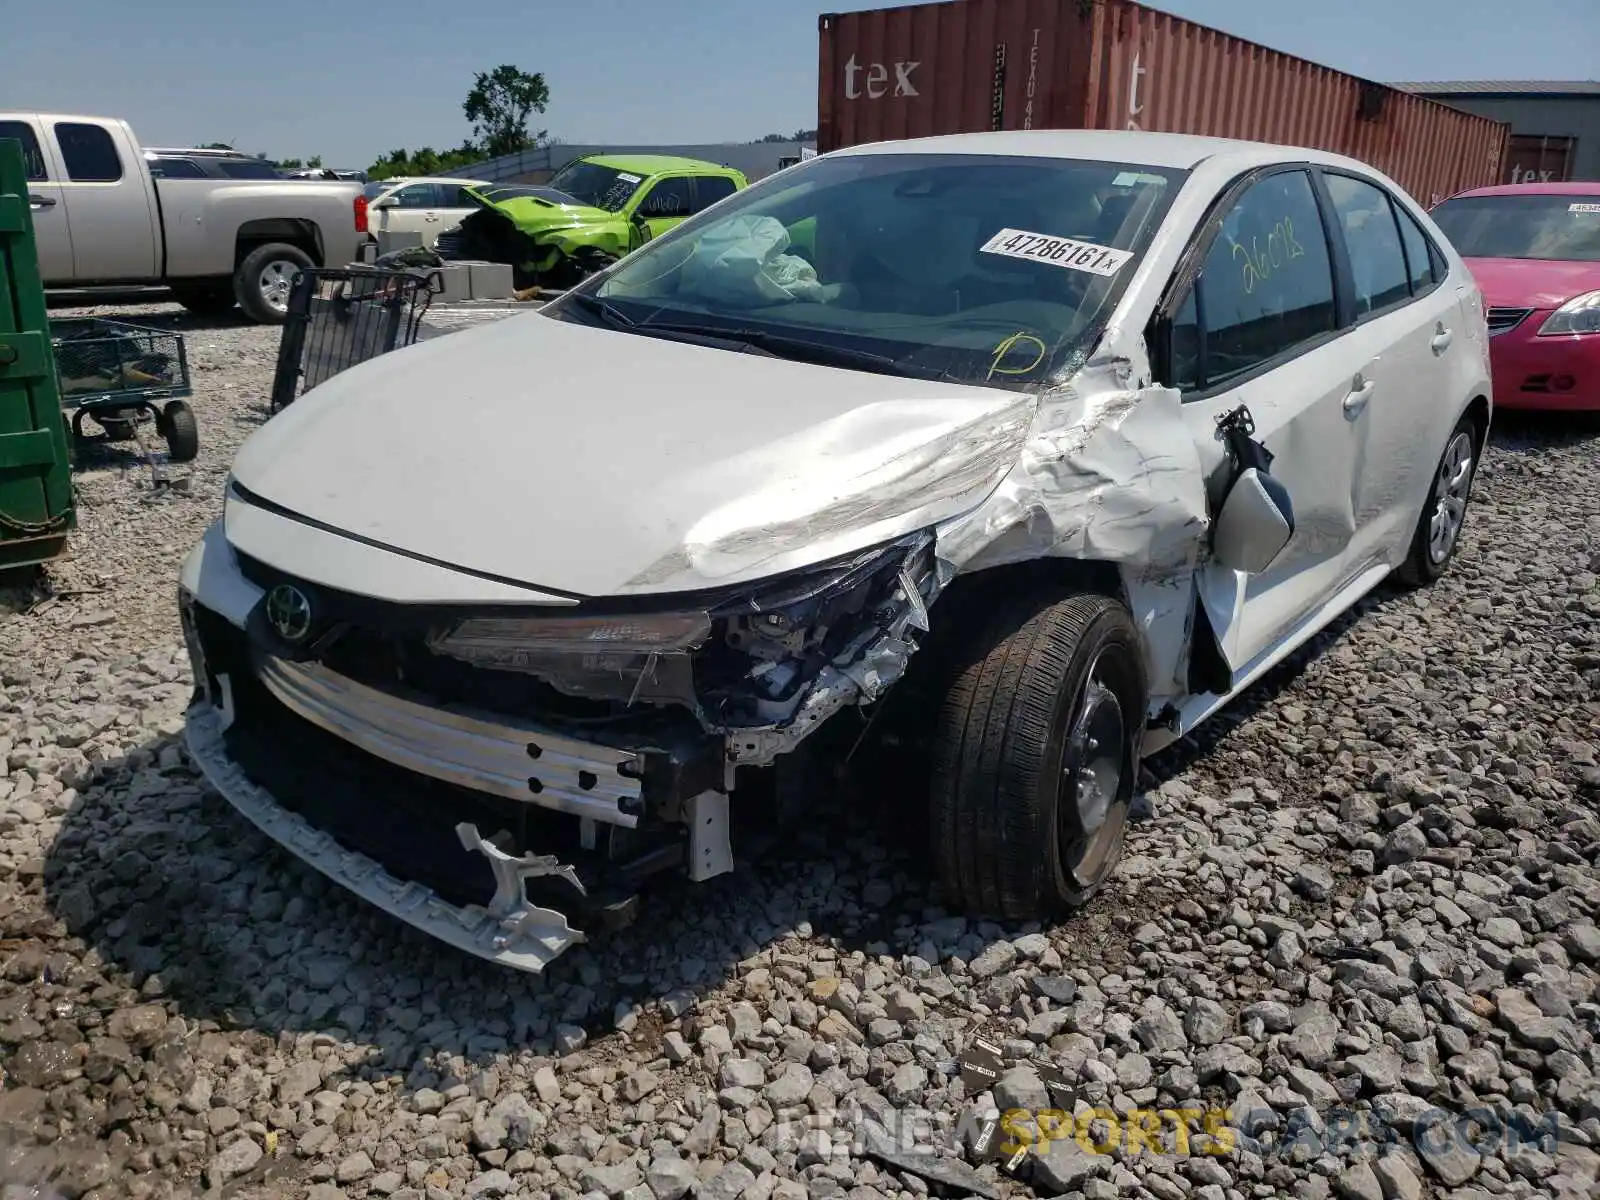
(591, 212)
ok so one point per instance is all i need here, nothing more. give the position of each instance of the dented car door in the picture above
(1258, 329)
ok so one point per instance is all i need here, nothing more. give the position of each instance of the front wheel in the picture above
(264, 280)
(1438, 532)
(1037, 756)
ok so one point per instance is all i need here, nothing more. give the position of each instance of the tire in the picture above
(1011, 724)
(181, 433)
(262, 281)
(211, 300)
(1444, 513)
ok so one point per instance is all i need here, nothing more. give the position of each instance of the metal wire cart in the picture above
(342, 316)
(121, 376)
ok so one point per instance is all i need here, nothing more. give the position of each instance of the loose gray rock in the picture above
(1021, 1087)
(235, 1159)
(1358, 1182)
(670, 1177)
(998, 957)
(1206, 1022)
(356, 1167)
(1397, 1179)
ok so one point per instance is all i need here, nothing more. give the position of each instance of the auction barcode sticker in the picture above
(1057, 251)
(1584, 208)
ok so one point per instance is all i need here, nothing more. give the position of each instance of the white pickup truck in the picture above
(100, 218)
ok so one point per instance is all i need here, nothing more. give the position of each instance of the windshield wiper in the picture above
(603, 309)
(781, 345)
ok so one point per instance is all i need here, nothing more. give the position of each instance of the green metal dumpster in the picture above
(37, 511)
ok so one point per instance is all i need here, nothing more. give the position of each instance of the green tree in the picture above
(799, 135)
(426, 161)
(499, 105)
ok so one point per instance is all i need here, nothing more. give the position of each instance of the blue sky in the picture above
(351, 81)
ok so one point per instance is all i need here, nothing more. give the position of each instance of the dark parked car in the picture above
(209, 164)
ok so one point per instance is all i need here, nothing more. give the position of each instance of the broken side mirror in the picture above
(1255, 524)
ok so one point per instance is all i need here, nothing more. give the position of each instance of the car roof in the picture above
(200, 152)
(1181, 151)
(397, 180)
(654, 164)
(1534, 189)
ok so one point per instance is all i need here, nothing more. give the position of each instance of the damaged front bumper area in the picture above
(504, 781)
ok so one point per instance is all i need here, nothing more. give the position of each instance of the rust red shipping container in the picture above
(965, 66)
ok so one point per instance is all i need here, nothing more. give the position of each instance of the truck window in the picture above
(88, 152)
(711, 188)
(32, 156)
(669, 198)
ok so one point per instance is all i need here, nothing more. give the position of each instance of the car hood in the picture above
(595, 462)
(551, 210)
(1532, 282)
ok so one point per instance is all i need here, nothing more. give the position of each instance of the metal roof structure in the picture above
(1501, 87)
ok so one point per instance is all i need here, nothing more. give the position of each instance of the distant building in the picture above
(1555, 124)
(756, 159)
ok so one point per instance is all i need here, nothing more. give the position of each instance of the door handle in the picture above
(1441, 338)
(430, 217)
(1356, 402)
(40, 201)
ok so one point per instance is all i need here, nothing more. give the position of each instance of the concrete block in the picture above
(491, 281)
(397, 240)
(455, 282)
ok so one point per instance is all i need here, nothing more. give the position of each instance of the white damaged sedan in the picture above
(1041, 446)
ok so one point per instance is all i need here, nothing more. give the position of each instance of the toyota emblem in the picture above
(288, 612)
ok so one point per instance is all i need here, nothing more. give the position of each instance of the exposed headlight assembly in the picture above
(498, 640)
(1581, 314)
(739, 656)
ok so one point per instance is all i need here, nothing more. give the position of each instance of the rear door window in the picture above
(711, 188)
(1377, 259)
(32, 155)
(88, 152)
(1419, 253)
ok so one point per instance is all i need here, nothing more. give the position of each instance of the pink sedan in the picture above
(1534, 249)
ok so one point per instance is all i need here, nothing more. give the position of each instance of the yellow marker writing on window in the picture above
(1007, 346)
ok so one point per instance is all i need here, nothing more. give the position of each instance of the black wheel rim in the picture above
(1096, 773)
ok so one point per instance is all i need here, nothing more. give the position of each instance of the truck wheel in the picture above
(206, 300)
(1037, 755)
(263, 280)
(178, 428)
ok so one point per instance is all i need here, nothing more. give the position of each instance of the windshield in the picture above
(1529, 226)
(373, 190)
(974, 268)
(597, 186)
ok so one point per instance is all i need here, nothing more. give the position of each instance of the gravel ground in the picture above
(1360, 913)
